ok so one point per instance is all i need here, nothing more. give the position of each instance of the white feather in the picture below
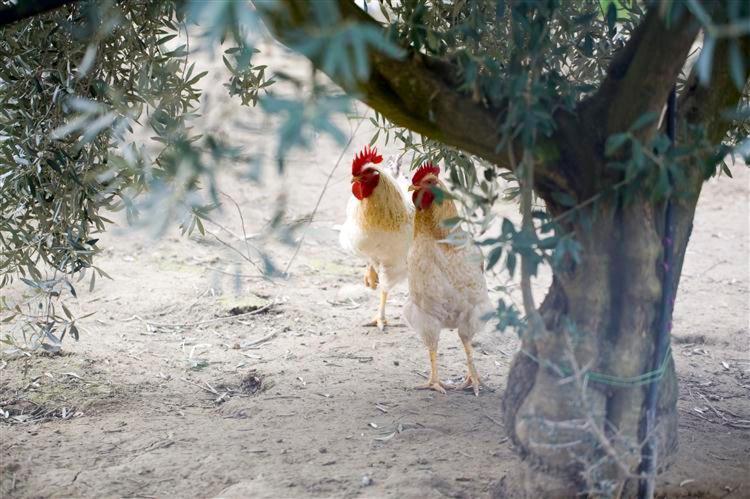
(386, 250)
(447, 289)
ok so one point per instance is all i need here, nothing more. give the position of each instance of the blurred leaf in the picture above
(736, 65)
(706, 59)
(643, 120)
(615, 142)
(494, 257)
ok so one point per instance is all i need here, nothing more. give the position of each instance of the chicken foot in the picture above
(434, 383)
(371, 277)
(472, 377)
(379, 319)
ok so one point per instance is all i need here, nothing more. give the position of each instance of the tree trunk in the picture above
(581, 434)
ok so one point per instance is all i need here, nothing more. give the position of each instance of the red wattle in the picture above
(364, 188)
(422, 198)
(357, 190)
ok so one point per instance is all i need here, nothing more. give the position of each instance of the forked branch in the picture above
(645, 70)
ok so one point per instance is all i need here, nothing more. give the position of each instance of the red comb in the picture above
(426, 169)
(365, 156)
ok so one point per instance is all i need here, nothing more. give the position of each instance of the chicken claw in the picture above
(379, 319)
(434, 383)
(378, 322)
(472, 382)
(438, 386)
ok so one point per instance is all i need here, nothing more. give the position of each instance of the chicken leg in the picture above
(379, 319)
(472, 377)
(433, 383)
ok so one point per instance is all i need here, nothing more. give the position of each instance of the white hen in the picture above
(447, 288)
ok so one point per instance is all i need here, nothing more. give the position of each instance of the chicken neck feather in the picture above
(385, 208)
(428, 221)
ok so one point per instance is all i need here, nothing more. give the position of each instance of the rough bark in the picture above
(613, 299)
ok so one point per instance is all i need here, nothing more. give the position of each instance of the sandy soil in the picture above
(165, 396)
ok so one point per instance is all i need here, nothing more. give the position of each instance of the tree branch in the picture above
(413, 92)
(642, 74)
(703, 105)
(707, 104)
(29, 8)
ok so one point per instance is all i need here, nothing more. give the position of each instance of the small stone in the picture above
(323, 450)
(366, 481)
(395, 362)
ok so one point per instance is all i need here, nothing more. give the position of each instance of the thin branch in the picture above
(267, 337)
(208, 388)
(207, 321)
(526, 181)
(241, 254)
(242, 221)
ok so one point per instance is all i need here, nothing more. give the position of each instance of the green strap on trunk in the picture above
(608, 379)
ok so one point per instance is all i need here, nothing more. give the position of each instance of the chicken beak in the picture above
(412, 188)
(355, 179)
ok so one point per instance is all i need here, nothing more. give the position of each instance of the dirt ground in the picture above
(170, 393)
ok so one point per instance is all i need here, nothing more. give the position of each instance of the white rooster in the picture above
(378, 226)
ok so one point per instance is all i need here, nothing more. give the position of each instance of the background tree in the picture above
(567, 97)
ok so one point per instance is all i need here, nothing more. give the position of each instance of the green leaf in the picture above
(725, 169)
(74, 331)
(643, 120)
(449, 223)
(706, 59)
(494, 257)
(736, 65)
(564, 199)
(67, 312)
(637, 157)
(615, 142)
(611, 18)
(510, 263)
(165, 39)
